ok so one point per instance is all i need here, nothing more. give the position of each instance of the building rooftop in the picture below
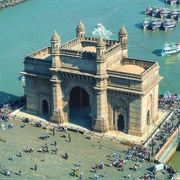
(130, 69)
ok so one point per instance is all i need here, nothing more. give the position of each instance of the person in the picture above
(20, 173)
(35, 167)
(55, 143)
(81, 176)
(66, 156)
(104, 174)
(11, 158)
(79, 163)
(56, 150)
(129, 175)
(20, 154)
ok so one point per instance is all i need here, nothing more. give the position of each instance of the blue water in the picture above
(28, 27)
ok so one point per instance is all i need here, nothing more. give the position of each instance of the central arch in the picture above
(120, 123)
(79, 107)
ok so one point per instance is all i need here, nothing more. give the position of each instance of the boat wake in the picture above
(100, 31)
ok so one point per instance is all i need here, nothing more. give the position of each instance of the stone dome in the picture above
(55, 37)
(80, 26)
(123, 31)
(100, 42)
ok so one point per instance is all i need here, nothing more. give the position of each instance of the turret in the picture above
(100, 60)
(123, 35)
(55, 43)
(80, 30)
(123, 38)
(55, 50)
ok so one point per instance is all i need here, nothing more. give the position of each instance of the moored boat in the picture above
(175, 13)
(169, 24)
(156, 24)
(170, 48)
(178, 18)
(156, 12)
(146, 23)
(149, 10)
(165, 13)
(172, 1)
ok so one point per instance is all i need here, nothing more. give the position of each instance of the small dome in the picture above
(55, 37)
(101, 43)
(80, 26)
(123, 31)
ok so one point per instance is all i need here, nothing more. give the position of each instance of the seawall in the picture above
(169, 147)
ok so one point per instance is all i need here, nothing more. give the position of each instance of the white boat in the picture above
(170, 48)
(175, 13)
(156, 24)
(178, 17)
(99, 26)
(169, 24)
(146, 23)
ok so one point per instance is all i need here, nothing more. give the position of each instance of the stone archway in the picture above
(79, 98)
(45, 107)
(120, 120)
(79, 107)
(120, 123)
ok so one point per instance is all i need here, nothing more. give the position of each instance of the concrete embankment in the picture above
(5, 4)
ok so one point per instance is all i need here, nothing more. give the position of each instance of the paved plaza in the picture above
(53, 165)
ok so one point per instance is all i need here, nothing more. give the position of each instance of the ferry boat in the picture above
(156, 24)
(146, 23)
(170, 48)
(169, 24)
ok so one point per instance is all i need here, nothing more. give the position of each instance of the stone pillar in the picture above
(56, 113)
(101, 120)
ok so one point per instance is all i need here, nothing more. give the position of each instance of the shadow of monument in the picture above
(80, 117)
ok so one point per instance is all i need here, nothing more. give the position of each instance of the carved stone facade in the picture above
(121, 92)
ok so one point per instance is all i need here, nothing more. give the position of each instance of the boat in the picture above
(172, 1)
(156, 24)
(167, 96)
(156, 12)
(169, 24)
(170, 48)
(165, 13)
(149, 10)
(178, 18)
(175, 13)
(146, 23)
(99, 26)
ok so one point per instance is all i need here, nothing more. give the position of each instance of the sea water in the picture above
(28, 27)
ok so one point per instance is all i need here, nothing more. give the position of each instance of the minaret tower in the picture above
(123, 38)
(56, 103)
(80, 30)
(101, 119)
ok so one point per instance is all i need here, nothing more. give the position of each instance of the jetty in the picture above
(5, 3)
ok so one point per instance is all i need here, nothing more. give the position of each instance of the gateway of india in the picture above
(95, 78)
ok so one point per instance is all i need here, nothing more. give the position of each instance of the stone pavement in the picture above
(55, 166)
(117, 134)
